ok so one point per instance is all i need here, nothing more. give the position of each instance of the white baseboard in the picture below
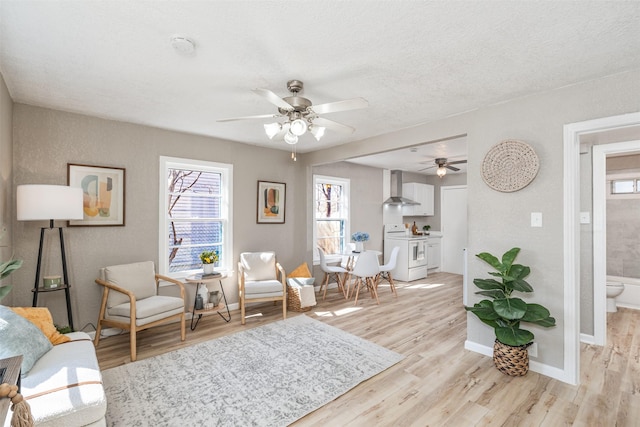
(540, 368)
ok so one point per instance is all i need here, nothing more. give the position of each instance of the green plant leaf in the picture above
(514, 336)
(492, 293)
(518, 271)
(535, 312)
(485, 312)
(508, 258)
(487, 284)
(4, 290)
(9, 266)
(490, 259)
(510, 308)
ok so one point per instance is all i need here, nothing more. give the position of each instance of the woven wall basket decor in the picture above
(510, 166)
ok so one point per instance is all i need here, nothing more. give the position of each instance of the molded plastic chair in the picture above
(366, 272)
(339, 273)
(261, 278)
(386, 269)
(130, 301)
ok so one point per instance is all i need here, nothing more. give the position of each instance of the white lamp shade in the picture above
(298, 127)
(441, 171)
(47, 202)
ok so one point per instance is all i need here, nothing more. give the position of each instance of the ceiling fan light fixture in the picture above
(290, 138)
(272, 129)
(441, 171)
(298, 127)
(317, 132)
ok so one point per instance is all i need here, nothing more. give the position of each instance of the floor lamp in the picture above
(50, 202)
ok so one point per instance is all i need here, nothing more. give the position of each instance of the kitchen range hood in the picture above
(396, 191)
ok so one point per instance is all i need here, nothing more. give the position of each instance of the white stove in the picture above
(412, 257)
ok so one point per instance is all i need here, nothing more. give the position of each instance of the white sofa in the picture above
(64, 387)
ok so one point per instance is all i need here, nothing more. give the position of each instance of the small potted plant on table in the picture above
(504, 313)
(209, 260)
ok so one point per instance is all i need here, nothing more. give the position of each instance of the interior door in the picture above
(454, 227)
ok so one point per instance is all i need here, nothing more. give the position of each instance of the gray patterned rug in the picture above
(270, 375)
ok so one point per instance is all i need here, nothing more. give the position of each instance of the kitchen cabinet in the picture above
(421, 193)
(433, 253)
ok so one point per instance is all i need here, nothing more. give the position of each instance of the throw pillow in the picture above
(20, 337)
(41, 317)
(301, 271)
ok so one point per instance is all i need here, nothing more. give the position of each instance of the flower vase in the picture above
(207, 268)
(359, 247)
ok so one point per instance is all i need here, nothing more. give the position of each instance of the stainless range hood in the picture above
(396, 191)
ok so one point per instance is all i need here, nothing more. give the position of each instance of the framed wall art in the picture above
(102, 194)
(271, 202)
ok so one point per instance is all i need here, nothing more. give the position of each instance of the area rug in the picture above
(270, 375)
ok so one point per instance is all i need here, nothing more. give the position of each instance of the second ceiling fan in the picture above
(442, 164)
(301, 115)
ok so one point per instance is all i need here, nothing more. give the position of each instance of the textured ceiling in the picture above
(414, 61)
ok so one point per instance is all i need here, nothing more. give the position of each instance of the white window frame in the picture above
(345, 183)
(226, 214)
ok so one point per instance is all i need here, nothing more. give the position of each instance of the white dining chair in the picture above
(339, 273)
(386, 269)
(366, 272)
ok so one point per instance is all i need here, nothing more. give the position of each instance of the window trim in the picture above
(226, 205)
(346, 183)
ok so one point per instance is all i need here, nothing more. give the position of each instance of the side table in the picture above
(203, 280)
(10, 370)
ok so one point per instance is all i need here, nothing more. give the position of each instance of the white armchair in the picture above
(130, 301)
(261, 278)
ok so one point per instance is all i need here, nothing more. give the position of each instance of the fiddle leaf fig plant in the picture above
(502, 311)
(7, 268)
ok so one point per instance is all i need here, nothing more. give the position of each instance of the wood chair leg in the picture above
(132, 342)
(326, 285)
(393, 285)
(242, 319)
(357, 289)
(103, 307)
(183, 332)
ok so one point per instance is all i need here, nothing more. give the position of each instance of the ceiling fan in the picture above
(301, 115)
(442, 164)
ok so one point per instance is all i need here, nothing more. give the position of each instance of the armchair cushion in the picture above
(263, 289)
(259, 266)
(138, 278)
(149, 307)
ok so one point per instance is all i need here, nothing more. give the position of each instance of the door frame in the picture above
(571, 232)
(599, 225)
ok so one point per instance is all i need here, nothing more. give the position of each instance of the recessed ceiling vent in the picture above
(396, 191)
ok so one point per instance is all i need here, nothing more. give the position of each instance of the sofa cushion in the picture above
(64, 387)
(263, 288)
(148, 307)
(41, 318)
(258, 265)
(21, 337)
(139, 278)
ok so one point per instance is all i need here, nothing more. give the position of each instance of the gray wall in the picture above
(499, 221)
(46, 140)
(6, 180)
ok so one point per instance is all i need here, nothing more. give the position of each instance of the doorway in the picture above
(600, 153)
(453, 203)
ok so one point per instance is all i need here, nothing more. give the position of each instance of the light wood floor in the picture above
(439, 383)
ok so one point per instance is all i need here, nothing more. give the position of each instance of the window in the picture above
(195, 214)
(331, 214)
(623, 186)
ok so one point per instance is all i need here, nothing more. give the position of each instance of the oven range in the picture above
(412, 257)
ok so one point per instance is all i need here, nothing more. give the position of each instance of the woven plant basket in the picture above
(293, 300)
(512, 361)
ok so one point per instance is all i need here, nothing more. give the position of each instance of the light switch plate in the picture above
(536, 219)
(585, 217)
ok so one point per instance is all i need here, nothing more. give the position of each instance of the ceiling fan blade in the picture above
(456, 162)
(330, 124)
(452, 168)
(274, 99)
(347, 104)
(428, 167)
(263, 116)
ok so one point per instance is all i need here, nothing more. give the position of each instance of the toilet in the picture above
(613, 290)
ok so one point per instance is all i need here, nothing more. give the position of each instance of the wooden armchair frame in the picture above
(280, 276)
(131, 326)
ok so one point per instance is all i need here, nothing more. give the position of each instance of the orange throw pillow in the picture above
(41, 317)
(301, 271)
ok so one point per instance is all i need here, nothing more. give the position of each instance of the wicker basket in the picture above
(293, 300)
(513, 361)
